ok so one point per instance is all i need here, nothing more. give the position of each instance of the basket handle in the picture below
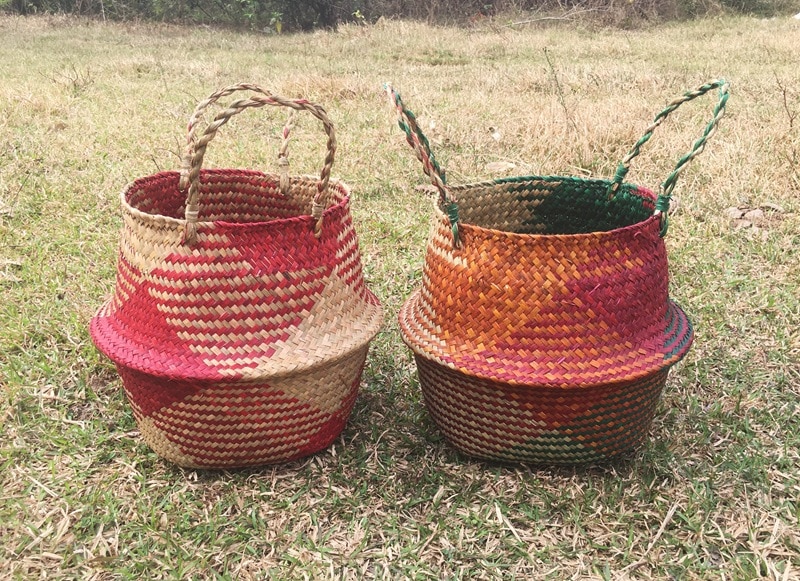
(191, 133)
(419, 143)
(196, 148)
(283, 153)
(197, 115)
(665, 194)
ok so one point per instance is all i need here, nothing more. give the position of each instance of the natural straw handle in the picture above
(198, 149)
(665, 194)
(197, 115)
(419, 143)
(283, 155)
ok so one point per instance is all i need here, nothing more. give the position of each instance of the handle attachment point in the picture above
(665, 195)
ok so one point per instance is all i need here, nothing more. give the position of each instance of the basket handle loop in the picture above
(665, 194)
(191, 134)
(419, 143)
(283, 154)
(196, 148)
(194, 124)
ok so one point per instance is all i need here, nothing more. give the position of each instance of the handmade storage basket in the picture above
(543, 331)
(240, 320)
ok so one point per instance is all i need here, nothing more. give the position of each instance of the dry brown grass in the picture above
(86, 107)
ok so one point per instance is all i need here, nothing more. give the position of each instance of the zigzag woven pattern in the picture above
(545, 347)
(551, 309)
(214, 332)
(511, 422)
(240, 319)
(544, 331)
(248, 298)
(210, 424)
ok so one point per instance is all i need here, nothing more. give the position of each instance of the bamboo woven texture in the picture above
(240, 320)
(543, 331)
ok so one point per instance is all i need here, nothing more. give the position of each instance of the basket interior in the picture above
(231, 196)
(552, 205)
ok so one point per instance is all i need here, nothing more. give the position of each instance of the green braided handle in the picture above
(665, 195)
(422, 148)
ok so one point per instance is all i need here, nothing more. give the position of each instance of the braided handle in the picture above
(283, 153)
(419, 143)
(665, 195)
(197, 115)
(196, 148)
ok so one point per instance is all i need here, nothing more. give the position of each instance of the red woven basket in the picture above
(543, 331)
(240, 321)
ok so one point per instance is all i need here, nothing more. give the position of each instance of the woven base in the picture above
(225, 425)
(505, 422)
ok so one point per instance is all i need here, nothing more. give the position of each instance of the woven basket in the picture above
(240, 320)
(543, 331)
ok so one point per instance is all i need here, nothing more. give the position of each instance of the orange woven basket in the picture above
(240, 321)
(543, 331)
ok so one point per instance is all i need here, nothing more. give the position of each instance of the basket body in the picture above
(245, 347)
(547, 335)
(228, 424)
(511, 422)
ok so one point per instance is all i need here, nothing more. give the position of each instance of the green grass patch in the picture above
(87, 107)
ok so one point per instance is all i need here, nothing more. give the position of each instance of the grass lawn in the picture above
(87, 107)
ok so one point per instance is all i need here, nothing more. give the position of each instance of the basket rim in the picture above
(641, 191)
(333, 183)
(99, 330)
(553, 178)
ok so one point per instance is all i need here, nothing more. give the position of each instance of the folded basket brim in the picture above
(581, 364)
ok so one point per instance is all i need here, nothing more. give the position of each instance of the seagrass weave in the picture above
(543, 331)
(240, 320)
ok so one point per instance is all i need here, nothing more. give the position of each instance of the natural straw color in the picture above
(543, 330)
(240, 320)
